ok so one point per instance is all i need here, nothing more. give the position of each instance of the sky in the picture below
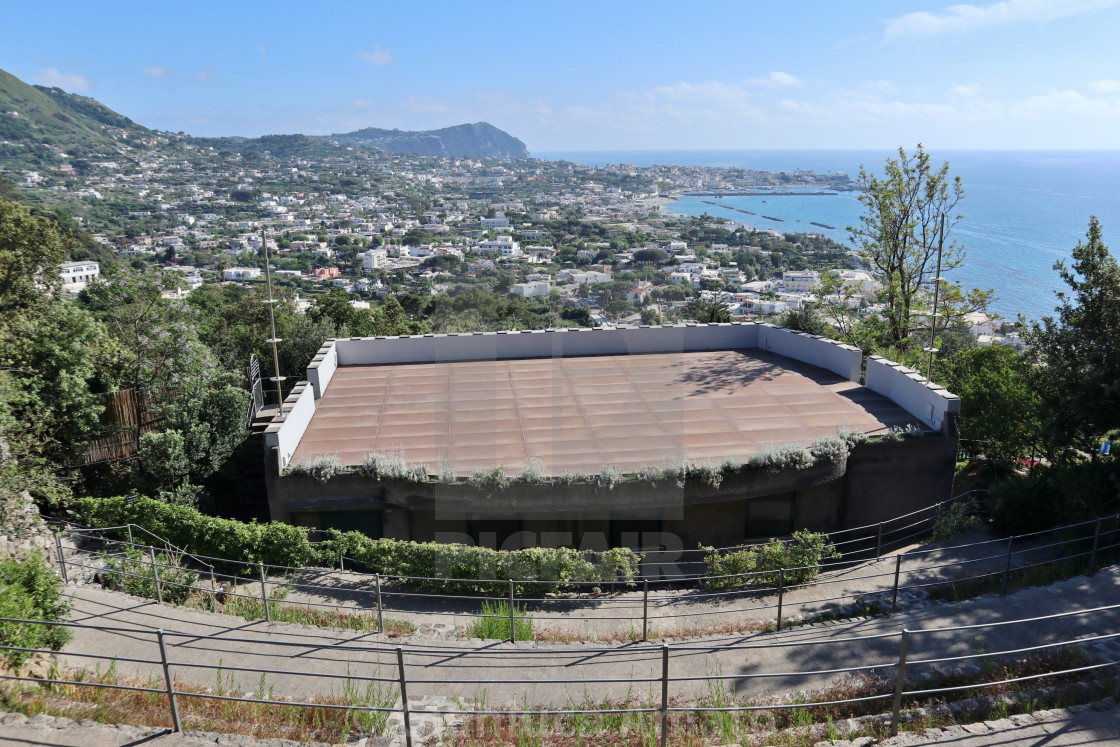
(576, 75)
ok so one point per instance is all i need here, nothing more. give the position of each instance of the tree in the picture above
(198, 434)
(707, 312)
(806, 319)
(999, 407)
(31, 248)
(1078, 352)
(56, 357)
(159, 352)
(909, 214)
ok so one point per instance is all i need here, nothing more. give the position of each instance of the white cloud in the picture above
(204, 75)
(54, 78)
(1105, 86)
(777, 79)
(378, 56)
(964, 18)
(155, 71)
(966, 90)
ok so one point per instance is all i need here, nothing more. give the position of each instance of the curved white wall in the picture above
(927, 402)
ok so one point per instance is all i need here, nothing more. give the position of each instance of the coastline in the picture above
(666, 203)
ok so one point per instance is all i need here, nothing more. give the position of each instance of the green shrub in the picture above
(132, 573)
(281, 544)
(851, 436)
(800, 558)
(830, 448)
(954, 521)
(490, 481)
(609, 477)
(29, 590)
(1054, 496)
(322, 468)
(533, 472)
(710, 474)
(786, 456)
(496, 623)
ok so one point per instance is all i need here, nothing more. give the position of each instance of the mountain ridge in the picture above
(457, 141)
(36, 122)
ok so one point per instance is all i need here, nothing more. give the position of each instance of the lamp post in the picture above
(274, 340)
(936, 297)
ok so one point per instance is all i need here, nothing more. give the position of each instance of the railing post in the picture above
(380, 620)
(664, 693)
(900, 682)
(781, 595)
(1007, 568)
(264, 594)
(155, 574)
(1096, 544)
(645, 609)
(61, 557)
(897, 571)
(403, 684)
(512, 629)
(341, 561)
(129, 527)
(178, 726)
(879, 541)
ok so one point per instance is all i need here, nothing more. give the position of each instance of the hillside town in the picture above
(580, 245)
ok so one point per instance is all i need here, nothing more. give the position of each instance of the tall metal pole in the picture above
(936, 297)
(274, 340)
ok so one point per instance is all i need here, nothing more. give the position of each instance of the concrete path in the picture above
(566, 674)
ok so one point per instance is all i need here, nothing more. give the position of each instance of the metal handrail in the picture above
(175, 694)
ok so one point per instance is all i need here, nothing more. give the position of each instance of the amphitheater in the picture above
(576, 405)
(970, 640)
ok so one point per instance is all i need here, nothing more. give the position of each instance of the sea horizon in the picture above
(1023, 209)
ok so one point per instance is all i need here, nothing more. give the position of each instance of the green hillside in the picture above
(36, 122)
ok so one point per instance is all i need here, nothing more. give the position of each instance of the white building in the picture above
(241, 273)
(375, 259)
(504, 245)
(498, 221)
(856, 282)
(535, 289)
(583, 277)
(800, 281)
(77, 275)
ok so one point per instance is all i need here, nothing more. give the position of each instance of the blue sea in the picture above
(1023, 210)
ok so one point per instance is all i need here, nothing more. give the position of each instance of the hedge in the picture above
(800, 559)
(437, 566)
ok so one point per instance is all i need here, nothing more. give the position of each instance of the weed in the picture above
(494, 622)
(490, 481)
(322, 468)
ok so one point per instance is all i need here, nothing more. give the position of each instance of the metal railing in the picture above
(890, 652)
(759, 598)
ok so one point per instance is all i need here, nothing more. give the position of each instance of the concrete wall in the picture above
(541, 343)
(844, 360)
(885, 480)
(928, 402)
(322, 368)
(879, 481)
(286, 430)
(841, 359)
